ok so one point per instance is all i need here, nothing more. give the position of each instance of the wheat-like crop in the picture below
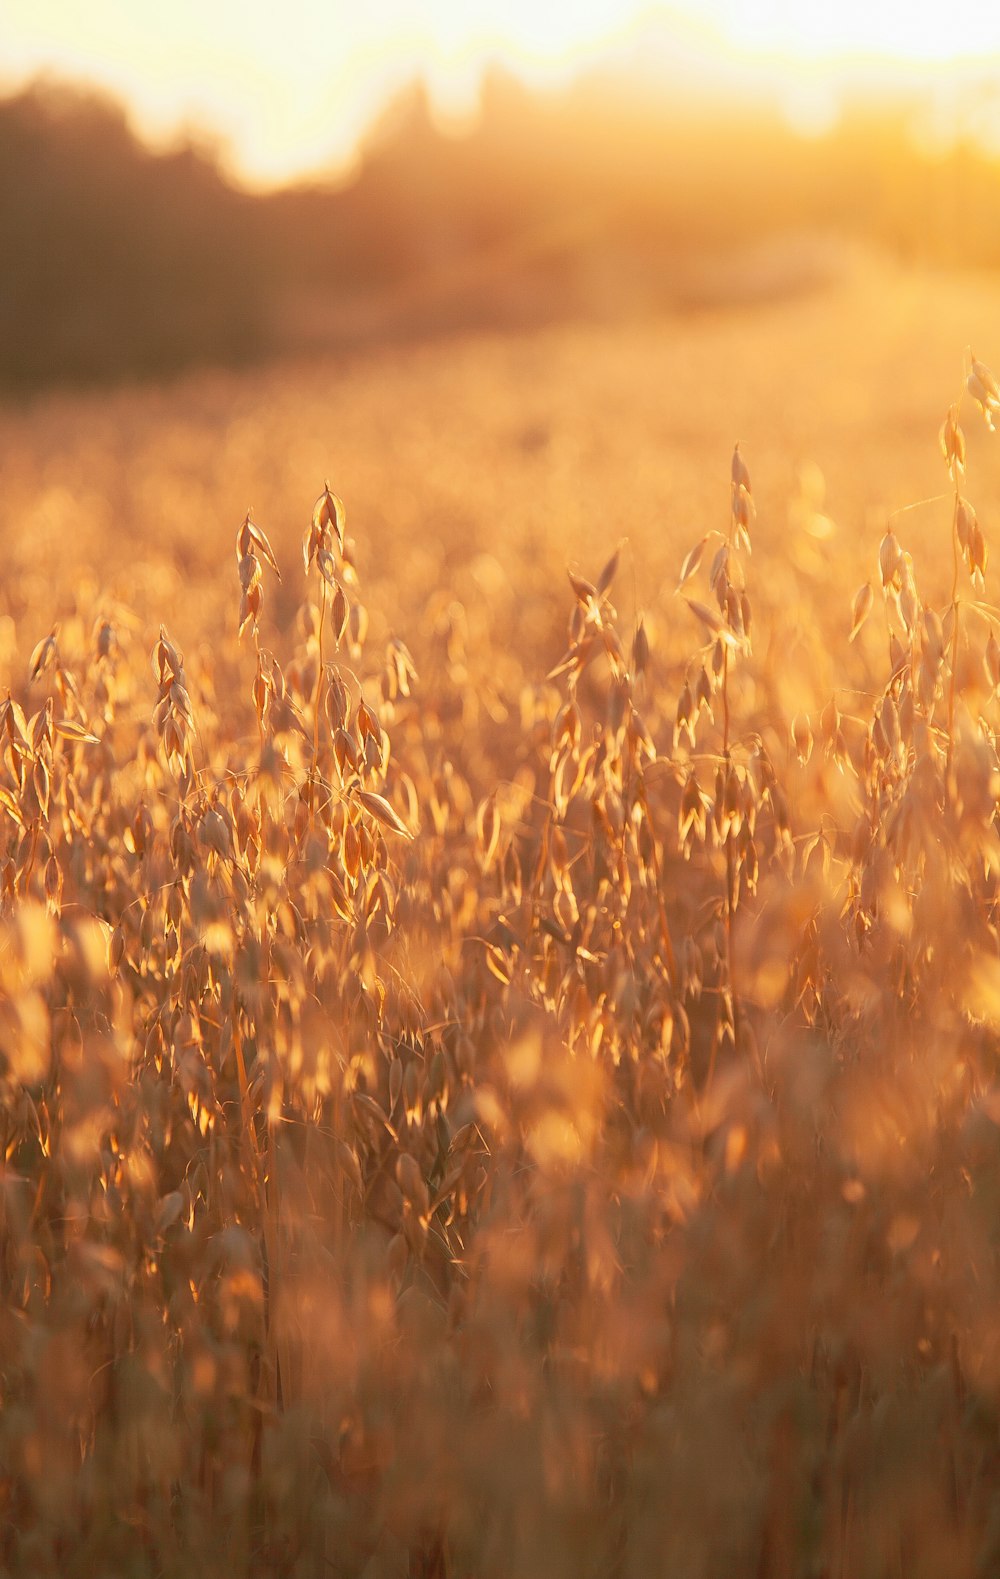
(445, 1139)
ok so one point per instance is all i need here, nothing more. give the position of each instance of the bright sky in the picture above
(289, 85)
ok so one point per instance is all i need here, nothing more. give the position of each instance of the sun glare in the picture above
(294, 100)
(921, 34)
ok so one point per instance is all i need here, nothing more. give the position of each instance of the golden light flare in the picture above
(296, 97)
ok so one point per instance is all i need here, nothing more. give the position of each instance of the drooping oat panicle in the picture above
(861, 608)
(45, 654)
(952, 442)
(251, 597)
(250, 538)
(400, 672)
(802, 736)
(972, 541)
(173, 715)
(386, 814)
(992, 660)
(739, 471)
(890, 561)
(251, 543)
(640, 649)
(692, 559)
(325, 528)
(983, 388)
(743, 508)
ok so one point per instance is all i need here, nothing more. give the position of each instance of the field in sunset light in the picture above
(499, 842)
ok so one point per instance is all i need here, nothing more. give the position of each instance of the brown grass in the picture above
(527, 1109)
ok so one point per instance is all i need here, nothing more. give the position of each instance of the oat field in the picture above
(500, 974)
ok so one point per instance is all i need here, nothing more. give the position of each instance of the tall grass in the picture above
(591, 1172)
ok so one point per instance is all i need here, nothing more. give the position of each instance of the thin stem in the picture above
(954, 647)
(668, 948)
(319, 677)
(730, 857)
(725, 705)
(260, 716)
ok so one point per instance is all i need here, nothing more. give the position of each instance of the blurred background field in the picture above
(600, 201)
(479, 464)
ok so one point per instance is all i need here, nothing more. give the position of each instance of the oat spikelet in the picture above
(251, 546)
(173, 715)
(983, 388)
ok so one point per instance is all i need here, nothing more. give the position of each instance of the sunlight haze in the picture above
(289, 92)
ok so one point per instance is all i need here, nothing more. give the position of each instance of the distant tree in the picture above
(115, 260)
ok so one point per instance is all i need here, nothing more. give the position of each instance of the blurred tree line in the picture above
(115, 261)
